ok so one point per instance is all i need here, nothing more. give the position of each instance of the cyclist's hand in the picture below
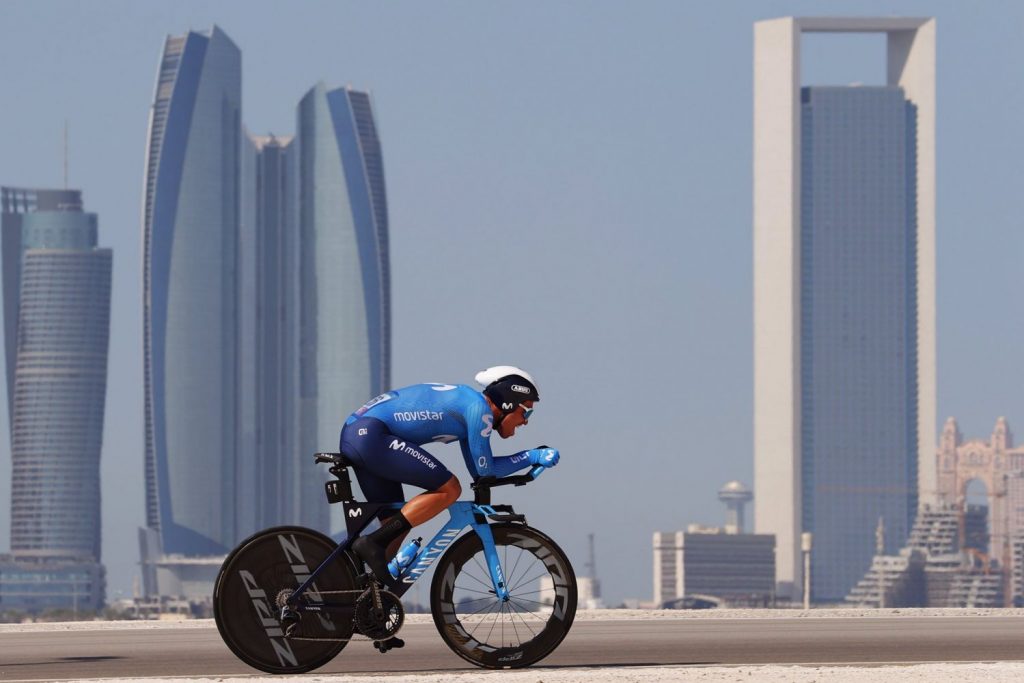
(546, 457)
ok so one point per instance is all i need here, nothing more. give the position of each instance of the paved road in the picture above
(191, 651)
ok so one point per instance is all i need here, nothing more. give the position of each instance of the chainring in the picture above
(382, 623)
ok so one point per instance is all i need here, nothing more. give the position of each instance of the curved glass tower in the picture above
(344, 285)
(57, 326)
(190, 242)
(267, 317)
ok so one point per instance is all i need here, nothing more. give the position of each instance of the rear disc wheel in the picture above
(261, 569)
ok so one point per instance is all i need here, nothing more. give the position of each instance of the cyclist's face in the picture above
(517, 418)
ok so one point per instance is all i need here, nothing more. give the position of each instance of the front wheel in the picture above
(247, 596)
(491, 633)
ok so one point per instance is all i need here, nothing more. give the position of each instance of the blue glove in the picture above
(546, 457)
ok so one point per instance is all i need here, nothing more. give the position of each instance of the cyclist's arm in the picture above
(498, 466)
(476, 447)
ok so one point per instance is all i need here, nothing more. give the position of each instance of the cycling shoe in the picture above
(373, 555)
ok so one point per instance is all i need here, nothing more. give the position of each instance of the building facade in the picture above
(998, 465)
(273, 316)
(267, 315)
(858, 327)
(940, 566)
(190, 274)
(970, 543)
(35, 585)
(844, 300)
(734, 568)
(57, 312)
(344, 348)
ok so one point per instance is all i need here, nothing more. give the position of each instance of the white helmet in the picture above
(507, 386)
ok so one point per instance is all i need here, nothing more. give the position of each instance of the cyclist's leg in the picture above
(384, 461)
(360, 441)
(428, 504)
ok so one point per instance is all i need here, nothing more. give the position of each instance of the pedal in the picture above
(389, 644)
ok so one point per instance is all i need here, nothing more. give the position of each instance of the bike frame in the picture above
(462, 514)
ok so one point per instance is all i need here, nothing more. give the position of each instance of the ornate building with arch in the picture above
(999, 466)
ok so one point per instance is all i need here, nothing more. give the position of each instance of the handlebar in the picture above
(490, 481)
(483, 485)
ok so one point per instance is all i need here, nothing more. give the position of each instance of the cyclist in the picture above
(383, 440)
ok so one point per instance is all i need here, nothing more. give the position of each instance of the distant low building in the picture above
(709, 566)
(998, 465)
(973, 554)
(35, 585)
(935, 569)
(588, 593)
(736, 569)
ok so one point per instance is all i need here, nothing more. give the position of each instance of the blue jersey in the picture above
(439, 413)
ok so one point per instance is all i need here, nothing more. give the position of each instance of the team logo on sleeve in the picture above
(373, 402)
(488, 424)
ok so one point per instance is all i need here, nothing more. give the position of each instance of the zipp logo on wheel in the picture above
(282, 648)
(300, 570)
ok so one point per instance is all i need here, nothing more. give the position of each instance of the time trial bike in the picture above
(288, 599)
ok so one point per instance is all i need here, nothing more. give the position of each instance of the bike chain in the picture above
(359, 637)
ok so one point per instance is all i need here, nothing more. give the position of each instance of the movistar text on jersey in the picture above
(397, 445)
(415, 415)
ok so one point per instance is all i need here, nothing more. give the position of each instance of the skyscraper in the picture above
(344, 288)
(844, 224)
(288, 485)
(56, 326)
(267, 316)
(190, 300)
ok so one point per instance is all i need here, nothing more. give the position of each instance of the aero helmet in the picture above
(507, 386)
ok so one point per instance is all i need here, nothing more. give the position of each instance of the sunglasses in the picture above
(527, 412)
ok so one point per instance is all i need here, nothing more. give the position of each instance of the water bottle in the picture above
(405, 557)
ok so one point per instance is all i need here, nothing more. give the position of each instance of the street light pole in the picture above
(880, 551)
(805, 545)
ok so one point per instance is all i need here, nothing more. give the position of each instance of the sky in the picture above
(569, 187)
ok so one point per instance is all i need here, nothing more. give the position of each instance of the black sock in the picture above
(390, 529)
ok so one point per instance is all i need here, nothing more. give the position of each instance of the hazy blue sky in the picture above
(574, 180)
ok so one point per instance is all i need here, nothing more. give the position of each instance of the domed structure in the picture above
(735, 495)
(736, 488)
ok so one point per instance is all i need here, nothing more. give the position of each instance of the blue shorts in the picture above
(383, 462)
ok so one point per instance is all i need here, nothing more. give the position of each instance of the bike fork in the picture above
(493, 561)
